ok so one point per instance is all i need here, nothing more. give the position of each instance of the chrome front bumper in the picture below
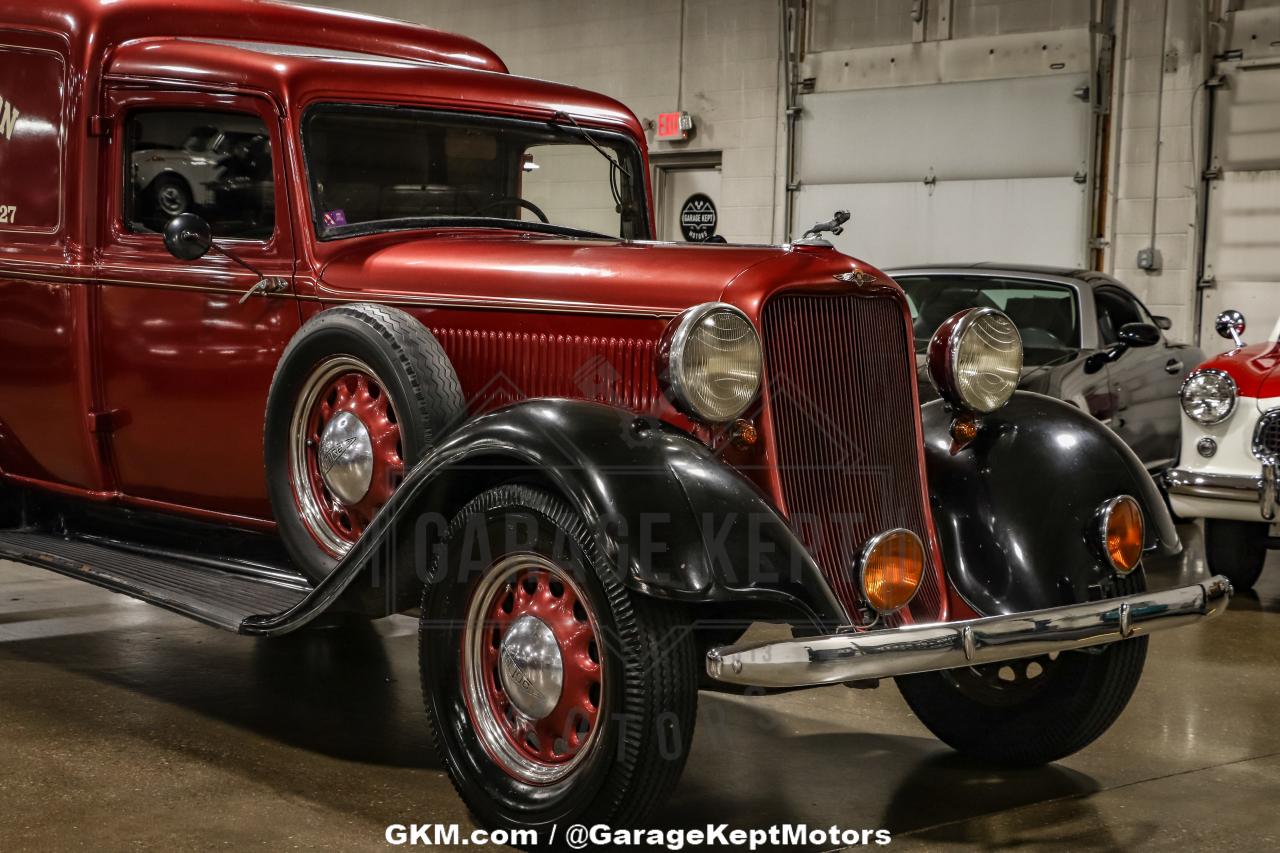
(923, 648)
(1261, 490)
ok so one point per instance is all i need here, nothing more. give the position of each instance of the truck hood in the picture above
(510, 269)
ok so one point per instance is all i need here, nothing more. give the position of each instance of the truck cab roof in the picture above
(303, 74)
(297, 53)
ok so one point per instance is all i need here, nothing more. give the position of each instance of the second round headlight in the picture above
(1209, 396)
(975, 359)
(711, 362)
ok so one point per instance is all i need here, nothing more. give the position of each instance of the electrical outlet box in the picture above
(1148, 259)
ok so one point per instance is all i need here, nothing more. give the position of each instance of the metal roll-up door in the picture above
(1242, 238)
(989, 170)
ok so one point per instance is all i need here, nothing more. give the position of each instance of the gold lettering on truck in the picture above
(8, 118)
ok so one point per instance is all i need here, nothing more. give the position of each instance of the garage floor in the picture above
(123, 727)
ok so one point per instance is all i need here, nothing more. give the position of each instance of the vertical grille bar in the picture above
(840, 386)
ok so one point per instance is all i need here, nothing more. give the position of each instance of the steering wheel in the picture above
(527, 205)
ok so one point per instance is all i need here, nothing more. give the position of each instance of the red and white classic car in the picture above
(431, 357)
(1230, 450)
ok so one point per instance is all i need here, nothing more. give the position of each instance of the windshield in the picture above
(386, 168)
(1046, 314)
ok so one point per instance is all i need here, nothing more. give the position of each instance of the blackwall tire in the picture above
(631, 743)
(373, 365)
(1023, 723)
(1236, 550)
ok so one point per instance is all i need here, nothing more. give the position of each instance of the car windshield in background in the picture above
(1047, 315)
(387, 168)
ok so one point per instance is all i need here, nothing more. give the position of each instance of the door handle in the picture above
(269, 284)
(1173, 366)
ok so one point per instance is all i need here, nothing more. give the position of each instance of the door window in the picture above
(1114, 310)
(216, 164)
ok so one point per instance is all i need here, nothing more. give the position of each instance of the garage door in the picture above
(1242, 249)
(990, 170)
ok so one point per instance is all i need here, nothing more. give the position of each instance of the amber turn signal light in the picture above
(1123, 532)
(892, 568)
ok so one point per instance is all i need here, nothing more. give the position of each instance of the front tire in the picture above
(1032, 711)
(1236, 549)
(520, 593)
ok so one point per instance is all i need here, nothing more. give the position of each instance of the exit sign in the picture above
(674, 126)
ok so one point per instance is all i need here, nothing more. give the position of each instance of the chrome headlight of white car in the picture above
(710, 362)
(1209, 396)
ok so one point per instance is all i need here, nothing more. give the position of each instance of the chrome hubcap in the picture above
(532, 670)
(346, 457)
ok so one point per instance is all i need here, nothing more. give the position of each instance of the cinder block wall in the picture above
(1148, 52)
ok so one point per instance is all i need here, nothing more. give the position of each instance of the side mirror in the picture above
(1139, 334)
(1230, 324)
(1163, 322)
(188, 236)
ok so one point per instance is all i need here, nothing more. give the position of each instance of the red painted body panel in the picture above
(1255, 368)
(44, 430)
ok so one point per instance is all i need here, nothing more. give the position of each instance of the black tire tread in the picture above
(1236, 549)
(419, 355)
(1061, 720)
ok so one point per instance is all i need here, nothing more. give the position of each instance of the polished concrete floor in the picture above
(123, 727)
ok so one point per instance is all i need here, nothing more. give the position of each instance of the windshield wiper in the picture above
(614, 163)
(409, 223)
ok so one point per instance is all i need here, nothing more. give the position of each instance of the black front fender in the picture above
(1015, 508)
(672, 516)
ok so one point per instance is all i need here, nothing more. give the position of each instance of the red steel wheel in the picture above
(347, 454)
(532, 669)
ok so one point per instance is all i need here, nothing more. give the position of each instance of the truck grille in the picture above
(1266, 436)
(840, 389)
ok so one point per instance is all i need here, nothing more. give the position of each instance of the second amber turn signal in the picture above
(892, 568)
(1123, 532)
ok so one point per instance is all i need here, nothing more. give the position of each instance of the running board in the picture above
(218, 593)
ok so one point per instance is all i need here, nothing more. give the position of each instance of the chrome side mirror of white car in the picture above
(1230, 324)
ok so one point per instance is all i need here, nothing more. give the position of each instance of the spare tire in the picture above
(361, 393)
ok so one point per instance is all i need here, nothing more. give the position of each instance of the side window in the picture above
(216, 164)
(1114, 310)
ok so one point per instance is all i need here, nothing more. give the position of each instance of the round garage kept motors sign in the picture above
(698, 218)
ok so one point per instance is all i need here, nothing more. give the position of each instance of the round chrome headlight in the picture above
(710, 362)
(975, 359)
(1209, 396)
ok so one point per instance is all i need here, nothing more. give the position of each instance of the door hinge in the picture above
(99, 125)
(108, 421)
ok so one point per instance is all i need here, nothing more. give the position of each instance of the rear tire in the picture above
(499, 731)
(1236, 549)
(1031, 711)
